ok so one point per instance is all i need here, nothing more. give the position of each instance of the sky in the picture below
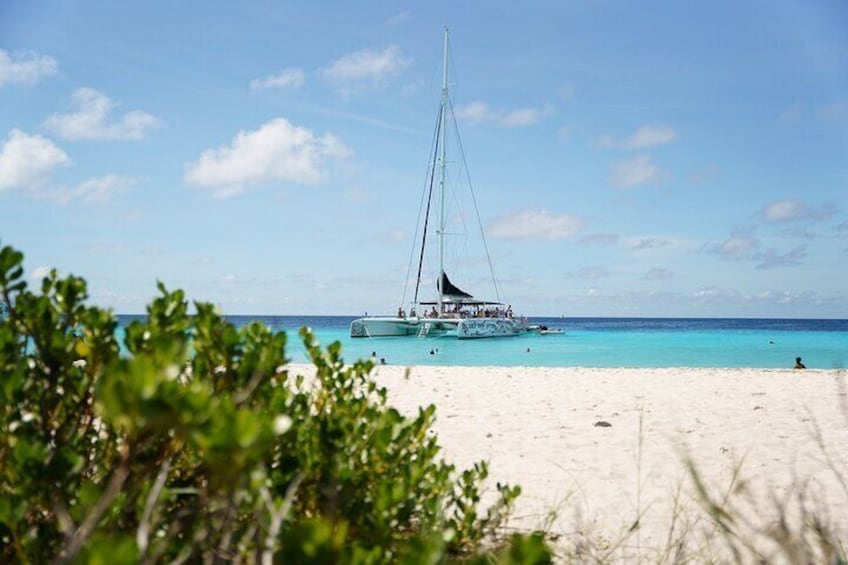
(649, 158)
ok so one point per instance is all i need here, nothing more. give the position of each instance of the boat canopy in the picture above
(465, 301)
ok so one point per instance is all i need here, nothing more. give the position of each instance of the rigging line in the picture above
(424, 193)
(429, 200)
(474, 201)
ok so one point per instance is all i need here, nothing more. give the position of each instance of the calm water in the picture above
(598, 342)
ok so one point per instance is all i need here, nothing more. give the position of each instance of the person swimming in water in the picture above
(799, 364)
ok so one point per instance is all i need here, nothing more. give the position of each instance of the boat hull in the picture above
(382, 327)
(466, 328)
(476, 328)
(398, 327)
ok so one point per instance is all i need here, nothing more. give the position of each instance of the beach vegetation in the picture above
(191, 440)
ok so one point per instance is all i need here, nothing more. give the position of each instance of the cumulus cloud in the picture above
(643, 137)
(535, 224)
(25, 67)
(479, 112)
(288, 79)
(91, 119)
(366, 67)
(796, 210)
(634, 171)
(26, 161)
(277, 151)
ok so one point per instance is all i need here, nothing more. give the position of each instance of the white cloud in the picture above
(288, 79)
(39, 273)
(783, 210)
(91, 119)
(367, 66)
(535, 224)
(277, 151)
(521, 117)
(25, 67)
(98, 190)
(634, 171)
(738, 247)
(643, 137)
(479, 112)
(795, 210)
(26, 161)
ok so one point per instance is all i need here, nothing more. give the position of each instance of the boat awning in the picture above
(466, 302)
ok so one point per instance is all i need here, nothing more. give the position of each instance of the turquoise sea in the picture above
(597, 342)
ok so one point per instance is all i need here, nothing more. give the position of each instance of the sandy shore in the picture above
(540, 428)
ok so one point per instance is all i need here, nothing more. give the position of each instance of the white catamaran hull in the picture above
(471, 328)
(466, 328)
(389, 326)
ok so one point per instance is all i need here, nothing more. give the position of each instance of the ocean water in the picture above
(597, 342)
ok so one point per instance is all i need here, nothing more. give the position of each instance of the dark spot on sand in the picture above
(602, 424)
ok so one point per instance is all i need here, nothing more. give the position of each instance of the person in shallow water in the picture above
(799, 364)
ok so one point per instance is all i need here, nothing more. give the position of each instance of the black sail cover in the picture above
(447, 288)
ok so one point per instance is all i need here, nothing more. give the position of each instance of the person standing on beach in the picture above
(798, 364)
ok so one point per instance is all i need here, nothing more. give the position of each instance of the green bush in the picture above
(197, 444)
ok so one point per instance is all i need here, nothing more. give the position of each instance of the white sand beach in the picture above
(588, 483)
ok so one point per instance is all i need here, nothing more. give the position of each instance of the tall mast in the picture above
(442, 165)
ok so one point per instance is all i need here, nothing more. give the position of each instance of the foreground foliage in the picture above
(197, 444)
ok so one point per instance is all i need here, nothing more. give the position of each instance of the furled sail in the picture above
(447, 288)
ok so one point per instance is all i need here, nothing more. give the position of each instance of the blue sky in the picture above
(629, 158)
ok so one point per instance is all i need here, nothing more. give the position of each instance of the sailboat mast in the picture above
(442, 166)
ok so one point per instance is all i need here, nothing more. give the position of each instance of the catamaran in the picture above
(453, 312)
